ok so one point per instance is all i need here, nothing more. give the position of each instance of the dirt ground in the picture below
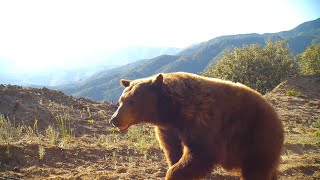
(95, 150)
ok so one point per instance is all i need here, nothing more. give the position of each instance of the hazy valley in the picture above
(79, 72)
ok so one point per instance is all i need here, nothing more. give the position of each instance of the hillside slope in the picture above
(27, 106)
(297, 102)
(104, 86)
(97, 151)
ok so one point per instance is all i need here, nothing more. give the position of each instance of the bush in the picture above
(310, 60)
(260, 68)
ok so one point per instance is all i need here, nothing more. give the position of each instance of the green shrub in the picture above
(259, 68)
(310, 60)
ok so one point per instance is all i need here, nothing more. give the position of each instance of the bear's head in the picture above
(138, 103)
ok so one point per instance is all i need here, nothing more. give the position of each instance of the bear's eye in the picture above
(132, 102)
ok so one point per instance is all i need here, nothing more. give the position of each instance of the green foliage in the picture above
(260, 68)
(307, 138)
(310, 60)
(143, 138)
(35, 126)
(293, 93)
(90, 121)
(41, 152)
(318, 122)
(114, 130)
(8, 131)
(114, 137)
(64, 126)
(8, 150)
(30, 131)
(51, 134)
(139, 138)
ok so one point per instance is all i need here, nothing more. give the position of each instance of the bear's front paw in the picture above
(173, 174)
(170, 173)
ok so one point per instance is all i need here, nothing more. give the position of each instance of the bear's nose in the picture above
(113, 119)
(114, 122)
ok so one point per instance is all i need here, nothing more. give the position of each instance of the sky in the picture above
(36, 35)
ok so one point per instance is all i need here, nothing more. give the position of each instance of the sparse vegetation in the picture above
(35, 126)
(140, 138)
(307, 138)
(29, 132)
(8, 150)
(8, 131)
(64, 126)
(114, 137)
(41, 151)
(143, 138)
(51, 134)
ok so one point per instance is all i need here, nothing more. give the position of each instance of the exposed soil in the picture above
(92, 154)
(300, 113)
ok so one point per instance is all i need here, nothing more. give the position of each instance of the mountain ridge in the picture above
(193, 59)
(83, 69)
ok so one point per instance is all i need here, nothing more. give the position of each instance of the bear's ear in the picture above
(125, 83)
(158, 81)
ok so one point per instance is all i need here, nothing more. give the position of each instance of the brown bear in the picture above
(201, 122)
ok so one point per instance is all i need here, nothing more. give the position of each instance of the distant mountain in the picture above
(134, 53)
(102, 82)
(101, 61)
(105, 85)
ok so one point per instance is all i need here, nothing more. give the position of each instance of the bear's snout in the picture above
(113, 120)
(118, 122)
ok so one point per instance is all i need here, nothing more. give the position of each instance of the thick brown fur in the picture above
(202, 122)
